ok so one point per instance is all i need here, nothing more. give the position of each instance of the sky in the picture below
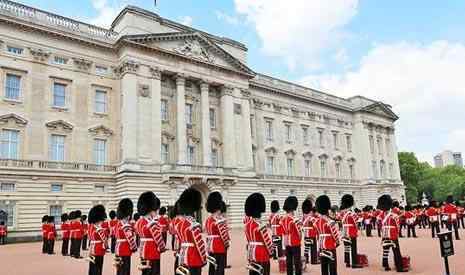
(409, 54)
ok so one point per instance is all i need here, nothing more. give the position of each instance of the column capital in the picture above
(128, 66)
(227, 90)
(156, 72)
(204, 84)
(246, 93)
(180, 79)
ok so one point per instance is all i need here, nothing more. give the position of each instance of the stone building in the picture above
(90, 115)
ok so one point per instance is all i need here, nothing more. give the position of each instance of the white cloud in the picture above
(425, 83)
(186, 20)
(232, 20)
(106, 11)
(341, 56)
(298, 30)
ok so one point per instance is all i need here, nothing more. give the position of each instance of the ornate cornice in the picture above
(156, 72)
(101, 130)
(4, 119)
(56, 124)
(246, 93)
(39, 54)
(82, 64)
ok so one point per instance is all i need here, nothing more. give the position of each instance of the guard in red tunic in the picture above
(3, 233)
(85, 232)
(410, 219)
(259, 243)
(292, 228)
(192, 253)
(367, 215)
(150, 232)
(460, 216)
(98, 239)
(277, 234)
(451, 212)
(433, 214)
(125, 238)
(390, 233)
(44, 234)
(217, 235)
(76, 234)
(309, 232)
(51, 235)
(223, 214)
(111, 226)
(65, 232)
(164, 223)
(328, 236)
(349, 231)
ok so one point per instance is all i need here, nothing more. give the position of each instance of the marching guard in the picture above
(451, 212)
(192, 254)
(292, 228)
(274, 221)
(223, 214)
(111, 227)
(410, 219)
(125, 238)
(328, 236)
(390, 234)
(217, 235)
(51, 235)
(98, 239)
(76, 234)
(259, 243)
(433, 214)
(309, 232)
(150, 232)
(65, 232)
(163, 219)
(349, 231)
(85, 232)
(44, 234)
(3, 233)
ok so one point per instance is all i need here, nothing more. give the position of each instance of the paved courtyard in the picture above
(26, 259)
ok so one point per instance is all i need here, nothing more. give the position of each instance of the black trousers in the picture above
(154, 268)
(411, 231)
(165, 236)
(350, 252)
(220, 262)
(97, 267)
(454, 224)
(278, 251)
(173, 239)
(2, 240)
(65, 247)
(310, 251)
(75, 250)
(113, 244)
(397, 256)
(125, 267)
(266, 269)
(329, 266)
(435, 229)
(84, 243)
(44, 245)
(50, 246)
(368, 228)
(195, 271)
(176, 262)
(293, 260)
(379, 229)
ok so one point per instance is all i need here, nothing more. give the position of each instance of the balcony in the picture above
(195, 169)
(55, 165)
(307, 179)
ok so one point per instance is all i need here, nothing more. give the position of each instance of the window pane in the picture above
(189, 113)
(7, 187)
(214, 156)
(100, 151)
(57, 148)
(56, 211)
(212, 118)
(57, 188)
(164, 153)
(59, 97)
(12, 87)
(100, 101)
(9, 144)
(15, 50)
(164, 110)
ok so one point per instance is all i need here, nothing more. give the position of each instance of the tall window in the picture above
(12, 86)
(351, 171)
(59, 95)
(100, 151)
(338, 169)
(349, 143)
(269, 167)
(308, 167)
(7, 187)
(269, 130)
(10, 211)
(165, 153)
(290, 167)
(212, 118)
(57, 148)
(9, 144)
(335, 140)
(189, 110)
(305, 135)
(190, 154)
(321, 138)
(372, 144)
(374, 169)
(100, 101)
(323, 172)
(288, 129)
(55, 211)
(214, 157)
(164, 110)
(15, 50)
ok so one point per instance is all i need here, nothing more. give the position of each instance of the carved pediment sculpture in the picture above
(5, 119)
(101, 130)
(193, 48)
(290, 153)
(59, 124)
(39, 54)
(82, 64)
(167, 137)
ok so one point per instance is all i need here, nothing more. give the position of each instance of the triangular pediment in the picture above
(14, 118)
(56, 124)
(101, 130)
(380, 108)
(192, 45)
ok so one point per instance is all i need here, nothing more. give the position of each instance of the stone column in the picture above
(206, 138)
(229, 137)
(128, 72)
(247, 133)
(156, 116)
(181, 118)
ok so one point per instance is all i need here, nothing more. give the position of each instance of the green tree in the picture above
(410, 172)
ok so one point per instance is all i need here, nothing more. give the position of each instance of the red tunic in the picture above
(51, 231)
(390, 226)
(85, 228)
(274, 222)
(98, 240)
(3, 230)
(44, 230)
(112, 227)
(328, 233)
(172, 229)
(65, 230)
(217, 234)
(125, 239)
(192, 252)
(410, 217)
(76, 230)
(151, 240)
(309, 230)
(164, 223)
(349, 224)
(259, 244)
(433, 214)
(291, 230)
(451, 211)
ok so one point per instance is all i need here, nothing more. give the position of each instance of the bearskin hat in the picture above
(274, 207)
(408, 207)
(50, 219)
(255, 205)
(395, 203)
(450, 199)
(136, 216)
(307, 206)
(125, 209)
(385, 202)
(190, 201)
(83, 217)
(434, 203)
(77, 214)
(323, 204)
(97, 214)
(112, 214)
(214, 202)
(347, 201)
(44, 218)
(224, 208)
(290, 204)
(147, 202)
(71, 215)
(172, 212)
(64, 217)
(162, 211)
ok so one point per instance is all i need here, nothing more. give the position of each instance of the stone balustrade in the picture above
(196, 169)
(36, 16)
(307, 179)
(55, 165)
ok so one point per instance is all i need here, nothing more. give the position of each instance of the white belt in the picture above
(212, 236)
(325, 235)
(256, 243)
(307, 228)
(389, 226)
(94, 242)
(274, 225)
(348, 225)
(121, 241)
(147, 240)
(187, 245)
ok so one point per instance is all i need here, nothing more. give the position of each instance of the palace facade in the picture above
(91, 115)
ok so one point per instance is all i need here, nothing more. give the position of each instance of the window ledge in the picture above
(60, 109)
(100, 114)
(12, 101)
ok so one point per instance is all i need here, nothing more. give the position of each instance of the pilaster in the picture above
(156, 115)
(246, 131)
(206, 135)
(228, 128)
(181, 118)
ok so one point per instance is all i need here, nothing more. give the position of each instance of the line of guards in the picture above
(321, 229)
